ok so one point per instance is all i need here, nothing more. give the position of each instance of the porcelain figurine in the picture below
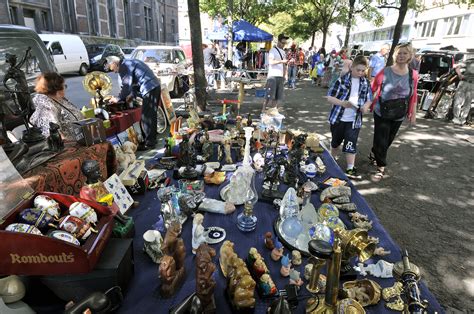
(307, 271)
(23, 228)
(296, 257)
(226, 254)
(260, 273)
(258, 162)
(198, 234)
(277, 252)
(76, 226)
(152, 241)
(227, 150)
(295, 278)
(64, 236)
(268, 240)
(83, 211)
(205, 282)
(171, 268)
(240, 284)
(36, 217)
(266, 286)
(46, 203)
(285, 266)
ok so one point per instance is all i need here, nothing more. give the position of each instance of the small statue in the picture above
(267, 286)
(285, 266)
(258, 162)
(260, 273)
(226, 254)
(55, 142)
(171, 268)
(295, 278)
(96, 191)
(187, 158)
(227, 150)
(205, 282)
(198, 234)
(307, 271)
(296, 257)
(269, 241)
(277, 252)
(207, 147)
(380, 251)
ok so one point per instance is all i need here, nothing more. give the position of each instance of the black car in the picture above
(98, 53)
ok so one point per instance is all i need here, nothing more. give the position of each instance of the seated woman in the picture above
(51, 106)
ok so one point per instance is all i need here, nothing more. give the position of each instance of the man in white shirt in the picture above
(276, 72)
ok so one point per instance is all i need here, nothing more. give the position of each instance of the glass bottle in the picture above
(246, 220)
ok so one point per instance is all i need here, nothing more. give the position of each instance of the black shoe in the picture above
(372, 159)
(352, 173)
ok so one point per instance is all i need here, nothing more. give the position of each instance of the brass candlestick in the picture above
(320, 251)
(355, 242)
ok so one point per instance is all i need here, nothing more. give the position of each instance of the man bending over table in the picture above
(135, 73)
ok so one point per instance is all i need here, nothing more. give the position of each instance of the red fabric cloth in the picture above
(63, 174)
(377, 84)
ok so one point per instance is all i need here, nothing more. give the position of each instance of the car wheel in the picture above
(83, 69)
(175, 91)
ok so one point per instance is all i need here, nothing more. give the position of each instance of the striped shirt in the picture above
(341, 89)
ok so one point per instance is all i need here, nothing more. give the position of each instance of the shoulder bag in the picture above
(395, 109)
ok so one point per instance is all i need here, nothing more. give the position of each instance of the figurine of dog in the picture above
(55, 142)
(126, 154)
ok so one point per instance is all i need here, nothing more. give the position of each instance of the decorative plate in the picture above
(215, 235)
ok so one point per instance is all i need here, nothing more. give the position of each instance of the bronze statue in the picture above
(171, 269)
(55, 142)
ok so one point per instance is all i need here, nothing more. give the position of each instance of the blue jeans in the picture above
(292, 75)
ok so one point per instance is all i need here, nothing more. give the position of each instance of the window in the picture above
(92, 17)
(112, 19)
(154, 55)
(44, 20)
(181, 55)
(433, 30)
(148, 25)
(454, 25)
(128, 22)
(14, 15)
(56, 48)
(173, 27)
(163, 28)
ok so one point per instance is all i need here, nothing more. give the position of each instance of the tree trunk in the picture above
(198, 58)
(349, 23)
(312, 39)
(230, 31)
(325, 33)
(397, 33)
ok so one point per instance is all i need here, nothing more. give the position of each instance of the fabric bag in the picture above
(395, 109)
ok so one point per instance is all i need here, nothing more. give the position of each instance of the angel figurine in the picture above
(198, 233)
(285, 266)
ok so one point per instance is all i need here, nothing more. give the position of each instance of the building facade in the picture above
(125, 22)
(207, 24)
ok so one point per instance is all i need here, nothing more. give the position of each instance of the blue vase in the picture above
(246, 220)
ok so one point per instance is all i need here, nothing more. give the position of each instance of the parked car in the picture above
(127, 51)
(16, 40)
(95, 49)
(168, 63)
(434, 64)
(97, 62)
(68, 51)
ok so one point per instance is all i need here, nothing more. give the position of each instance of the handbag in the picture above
(394, 109)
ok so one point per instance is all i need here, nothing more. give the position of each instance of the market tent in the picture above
(243, 31)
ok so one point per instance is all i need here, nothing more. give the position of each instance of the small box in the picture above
(115, 268)
(89, 132)
(88, 113)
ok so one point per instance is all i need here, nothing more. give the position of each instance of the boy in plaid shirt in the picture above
(350, 96)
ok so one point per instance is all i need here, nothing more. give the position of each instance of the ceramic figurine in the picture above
(260, 273)
(240, 284)
(198, 234)
(295, 278)
(205, 282)
(46, 203)
(277, 252)
(380, 251)
(76, 226)
(258, 162)
(269, 241)
(36, 217)
(267, 286)
(171, 268)
(227, 151)
(83, 211)
(152, 241)
(207, 147)
(285, 266)
(296, 257)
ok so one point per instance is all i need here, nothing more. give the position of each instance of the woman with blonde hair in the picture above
(395, 91)
(51, 105)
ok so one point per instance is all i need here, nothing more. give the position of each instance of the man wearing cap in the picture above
(377, 61)
(139, 80)
(276, 72)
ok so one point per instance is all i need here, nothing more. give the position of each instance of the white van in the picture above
(68, 51)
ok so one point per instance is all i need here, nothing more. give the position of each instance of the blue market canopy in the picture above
(243, 31)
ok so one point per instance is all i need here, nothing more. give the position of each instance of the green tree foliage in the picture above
(253, 11)
(365, 8)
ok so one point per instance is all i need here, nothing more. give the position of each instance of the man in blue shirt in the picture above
(377, 61)
(139, 80)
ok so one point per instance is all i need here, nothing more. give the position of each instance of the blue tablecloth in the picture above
(143, 296)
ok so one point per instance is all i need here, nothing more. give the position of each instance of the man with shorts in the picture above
(276, 72)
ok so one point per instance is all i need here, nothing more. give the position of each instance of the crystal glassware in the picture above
(246, 220)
